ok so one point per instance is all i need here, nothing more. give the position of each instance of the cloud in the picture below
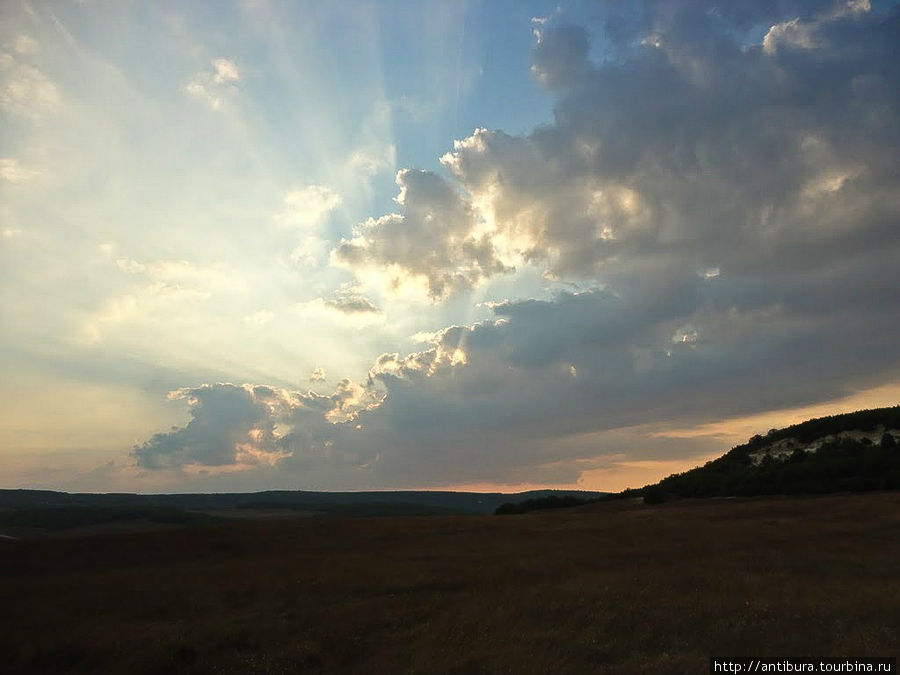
(214, 85)
(371, 161)
(375, 151)
(305, 210)
(350, 300)
(434, 241)
(701, 147)
(25, 44)
(317, 375)
(225, 71)
(543, 391)
(245, 426)
(182, 273)
(260, 318)
(159, 288)
(348, 310)
(728, 208)
(560, 57)
(25, 91)
(13, 172)
(791, 35)
(306, 207)
(229, 425)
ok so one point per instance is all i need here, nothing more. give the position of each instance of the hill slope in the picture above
(854, 452)
(46, 510)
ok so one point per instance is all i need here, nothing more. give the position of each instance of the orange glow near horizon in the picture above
(738, 429)
(732, 431)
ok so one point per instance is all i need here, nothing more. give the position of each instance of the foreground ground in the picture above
(611, 588)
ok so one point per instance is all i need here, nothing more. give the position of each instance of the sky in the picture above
(461, 245)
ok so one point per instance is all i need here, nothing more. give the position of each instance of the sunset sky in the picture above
(470, 245)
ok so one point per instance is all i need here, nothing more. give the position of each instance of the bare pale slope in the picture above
(617, 587)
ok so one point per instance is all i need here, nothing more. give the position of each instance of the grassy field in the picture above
(608, 588)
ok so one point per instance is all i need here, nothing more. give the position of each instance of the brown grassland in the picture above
(608, 588)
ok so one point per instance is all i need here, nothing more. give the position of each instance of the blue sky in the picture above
(398, 244)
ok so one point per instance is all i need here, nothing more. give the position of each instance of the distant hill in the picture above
(51, 510)
(854, 452)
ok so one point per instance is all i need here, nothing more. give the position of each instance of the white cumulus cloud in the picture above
(216, 84)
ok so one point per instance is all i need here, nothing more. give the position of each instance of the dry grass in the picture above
(611, 588)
